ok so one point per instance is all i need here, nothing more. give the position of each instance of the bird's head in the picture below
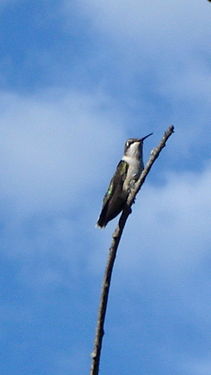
(133, 146)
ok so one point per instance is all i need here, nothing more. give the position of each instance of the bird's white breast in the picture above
(135, 167)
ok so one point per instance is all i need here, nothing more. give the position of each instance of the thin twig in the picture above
(113, 250)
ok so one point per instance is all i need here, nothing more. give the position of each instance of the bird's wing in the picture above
(117, 180)
(114, 194)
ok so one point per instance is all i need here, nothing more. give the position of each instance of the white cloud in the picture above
(158, 23)
(170, 226)
(198, 366)
(161, 54)
(50, 148)
(53, 159)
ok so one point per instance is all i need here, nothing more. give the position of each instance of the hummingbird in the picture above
(127, 173)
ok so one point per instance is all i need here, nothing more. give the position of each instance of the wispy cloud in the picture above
(50, 148)
(198, 366)
(160, 60)
(164, 22)
(170, 223)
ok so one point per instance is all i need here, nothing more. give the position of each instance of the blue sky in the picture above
(77, 78)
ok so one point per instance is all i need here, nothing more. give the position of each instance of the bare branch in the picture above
(113, 250)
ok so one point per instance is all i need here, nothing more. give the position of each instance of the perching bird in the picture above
(127, 173)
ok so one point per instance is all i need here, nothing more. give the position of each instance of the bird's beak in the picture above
(146, 136)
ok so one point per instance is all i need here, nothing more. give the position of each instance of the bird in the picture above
(127, 173)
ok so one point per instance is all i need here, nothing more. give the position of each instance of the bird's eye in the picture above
(128, 143)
